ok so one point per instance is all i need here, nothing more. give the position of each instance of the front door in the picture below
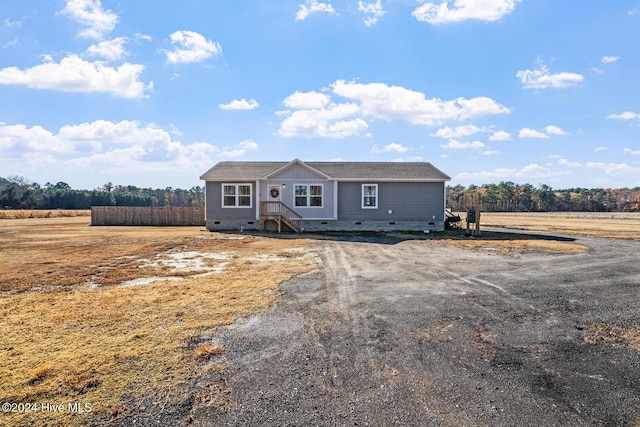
(274, 196)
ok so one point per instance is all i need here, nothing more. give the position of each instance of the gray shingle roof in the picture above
(338, 170)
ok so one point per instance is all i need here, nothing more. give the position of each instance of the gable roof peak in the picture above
(292, 163)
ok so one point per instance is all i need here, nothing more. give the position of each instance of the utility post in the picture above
(473, 217)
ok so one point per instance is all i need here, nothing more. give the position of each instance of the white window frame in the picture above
(309, 195)
(237, 195)
(362, 196)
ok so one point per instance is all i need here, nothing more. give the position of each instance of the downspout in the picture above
(257, 199)
(444, 202)
(205, 202)
(335, 199)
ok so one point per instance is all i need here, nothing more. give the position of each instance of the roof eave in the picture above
(393, 179)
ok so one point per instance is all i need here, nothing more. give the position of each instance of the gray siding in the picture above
(408, 201)
(216, 212)
(297, 174)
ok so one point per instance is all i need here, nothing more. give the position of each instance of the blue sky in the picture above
(153, 93)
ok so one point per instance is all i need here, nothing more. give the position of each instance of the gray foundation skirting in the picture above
(331, 225)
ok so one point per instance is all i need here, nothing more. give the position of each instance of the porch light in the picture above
(284, 186)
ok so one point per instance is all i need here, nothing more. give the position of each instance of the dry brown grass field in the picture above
(606, 225)
(609, 225)
(108, 316)
(78, 327)
(40, 213)
(510, 247)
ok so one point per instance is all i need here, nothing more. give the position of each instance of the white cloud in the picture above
(12, 24)
(143, 37)
(565, 162)
(613, 167)
(549, 130)
(316, 115)
(395, 102)
(242, 104)
(457, 145)
(532, 170)
(73, 74)
(627, 115)
(408, 159)
(11, 43)
(483, 176)
(17, 139)
(457, 132)
(306, 100)
(597, 70)
(174, 130)
(87, 143)
(90, 14)
(323, 122)
(249, 145)
(109, 49)
(462, 10)
(554, 130)
(191, 47)
(490, 153)
(542, 78)
(346, 128)
(630, 151)
(393, 147)
(500, 136)
(239, 149)
(609, 59)
(372, 12)
(102, 149)
(106, 132)
(601, 148)
(311, 7)
(532, 133)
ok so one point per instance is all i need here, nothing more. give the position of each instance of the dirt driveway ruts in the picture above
(405, 333)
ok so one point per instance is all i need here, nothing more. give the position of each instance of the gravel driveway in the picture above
(400, 332)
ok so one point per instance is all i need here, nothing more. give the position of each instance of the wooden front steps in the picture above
(281, 214)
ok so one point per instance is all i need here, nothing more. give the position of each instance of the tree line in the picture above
(19, 193)
(511, 197)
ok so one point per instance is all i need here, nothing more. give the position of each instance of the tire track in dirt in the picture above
(410, 334)
(360, 344)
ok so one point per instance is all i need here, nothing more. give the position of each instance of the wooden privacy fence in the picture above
(148, 215)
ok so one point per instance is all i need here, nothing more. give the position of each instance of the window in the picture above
(236, 195)
(308, 195)
(244, 195)
(369, 196)
(301, 195)
(315, 196)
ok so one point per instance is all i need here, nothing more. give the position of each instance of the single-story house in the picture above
(325, 196)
